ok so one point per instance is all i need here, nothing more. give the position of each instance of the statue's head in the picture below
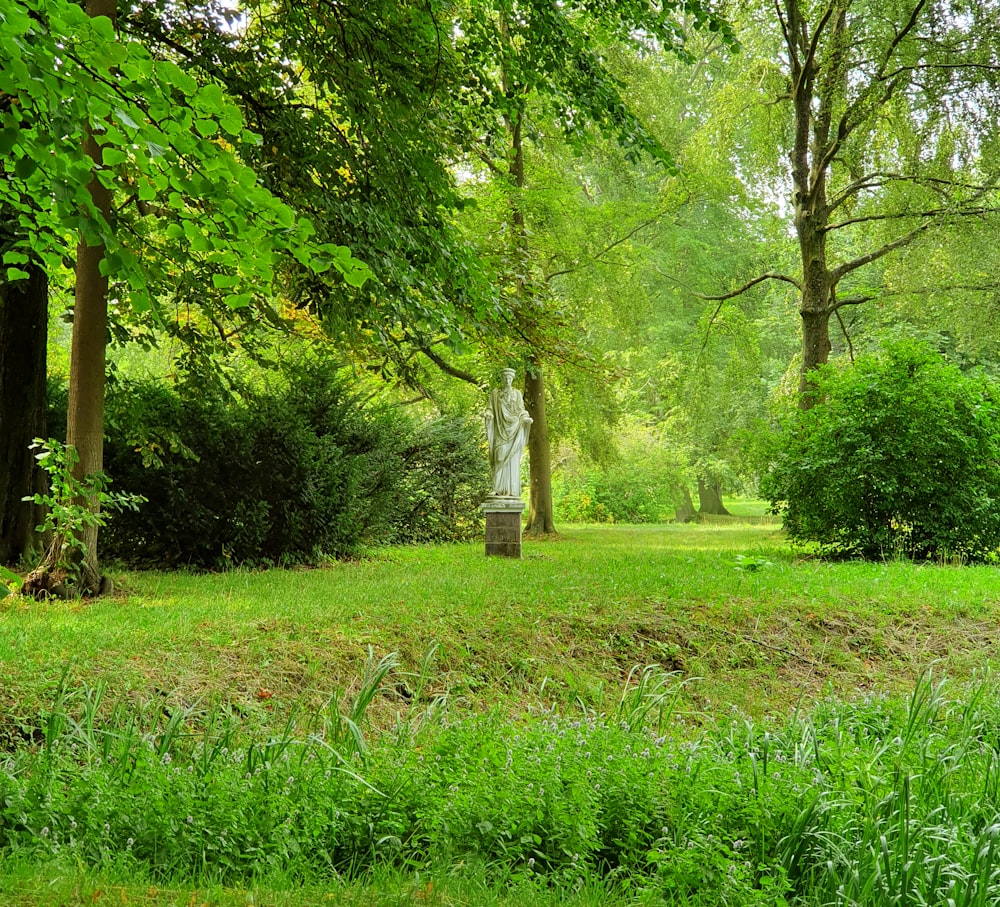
(508, 375)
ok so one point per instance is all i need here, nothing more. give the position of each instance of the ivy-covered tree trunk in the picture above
(809, 178)
(540, 517)
(85, 414)
(23, 339)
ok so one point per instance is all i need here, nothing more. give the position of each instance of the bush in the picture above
(900, 457)
(279, 476)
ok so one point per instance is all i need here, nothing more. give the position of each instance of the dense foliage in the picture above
(282, 474)
(899, 456)
(640, 484)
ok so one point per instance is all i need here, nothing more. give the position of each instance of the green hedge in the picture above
(282, 475)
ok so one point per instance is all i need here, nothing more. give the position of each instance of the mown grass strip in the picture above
(567, 623)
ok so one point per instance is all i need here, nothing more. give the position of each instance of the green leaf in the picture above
(239, 300)
(124, 118)
(140, 302)
(172, 74)
(17, 274)
(209, 98)
(206, 128)
(24, 167)
(230, 119)
(225, 281)
(8, 138)
(113, 156)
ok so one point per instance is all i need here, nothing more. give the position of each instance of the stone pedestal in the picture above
(503, 526)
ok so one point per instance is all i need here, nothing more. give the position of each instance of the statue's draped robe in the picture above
(507, 427)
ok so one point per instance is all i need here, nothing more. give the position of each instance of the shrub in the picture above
(281, 475)
(901, 456)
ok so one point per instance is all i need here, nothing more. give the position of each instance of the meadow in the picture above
(664, 715)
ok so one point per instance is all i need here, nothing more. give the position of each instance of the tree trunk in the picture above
(23, 340)
(684, 512)
(817, 92)
(85, 416)
(540, 519)
(710, 498)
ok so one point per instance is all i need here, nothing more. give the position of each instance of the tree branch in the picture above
(900, 215)
(847, 123)
(748, 285)
(450, 369)
(878, 179)
(814, 43)
(847, 337)
(646, 223)
(851, 300)
(863, 260)
(989, 67)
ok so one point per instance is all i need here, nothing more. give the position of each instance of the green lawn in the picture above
(566, 622)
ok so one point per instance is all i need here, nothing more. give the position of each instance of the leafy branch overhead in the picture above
(162, 136)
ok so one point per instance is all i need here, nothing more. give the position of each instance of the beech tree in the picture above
(90, 113)
(890, 120)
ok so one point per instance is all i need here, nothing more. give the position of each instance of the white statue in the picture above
(507, 427)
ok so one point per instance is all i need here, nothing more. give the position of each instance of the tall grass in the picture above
(876, 801)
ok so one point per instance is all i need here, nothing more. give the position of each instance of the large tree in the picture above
(23, 337)
(889, 131)
(353, 102)
(95, 114)
(541, 63)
